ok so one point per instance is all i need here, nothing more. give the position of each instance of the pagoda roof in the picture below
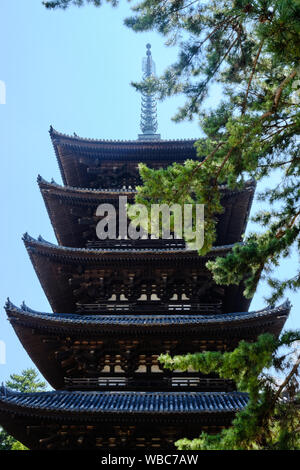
(40, 245)
(135, 403)
(99, 420)
(86, 193)
(42, 334)
(68, 208)
(29, 317)
(69, 150)
(75, 140)
(55, 265)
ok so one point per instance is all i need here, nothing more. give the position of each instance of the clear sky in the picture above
(71, 69)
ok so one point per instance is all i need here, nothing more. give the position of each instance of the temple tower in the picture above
(118, 304)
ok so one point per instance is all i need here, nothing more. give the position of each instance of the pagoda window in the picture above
(143, 297)
(154, 297)
(155, 369)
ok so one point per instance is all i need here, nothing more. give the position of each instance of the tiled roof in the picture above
(41, 242)
(249, 185)
(75, 138)
(67, 148)
(89, 191)
(146, 320)
(127, 402)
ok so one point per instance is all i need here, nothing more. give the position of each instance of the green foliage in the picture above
(6, 441)
(272, 416)
(78, 3)
(27, 381)
(251, 49)
(18, 446)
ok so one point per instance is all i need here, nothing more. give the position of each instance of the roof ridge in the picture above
(54, 133)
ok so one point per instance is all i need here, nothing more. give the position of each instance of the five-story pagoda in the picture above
(117, 304)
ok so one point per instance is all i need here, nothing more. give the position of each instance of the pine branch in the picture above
(278, 93)
(252, 75)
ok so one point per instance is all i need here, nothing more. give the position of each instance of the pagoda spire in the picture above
(148, 110)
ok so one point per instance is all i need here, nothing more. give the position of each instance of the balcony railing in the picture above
(137, 244)
(149, 308)
(136, 383)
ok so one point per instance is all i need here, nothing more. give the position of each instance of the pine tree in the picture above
(268, 370)
(27, 381)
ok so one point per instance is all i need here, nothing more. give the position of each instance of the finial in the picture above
(148, 114)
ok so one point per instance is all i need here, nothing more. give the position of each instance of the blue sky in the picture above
(71, 69)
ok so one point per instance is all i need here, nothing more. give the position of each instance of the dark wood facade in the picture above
(120, 351)
(88, 163)
(72, 212)
(147, 280)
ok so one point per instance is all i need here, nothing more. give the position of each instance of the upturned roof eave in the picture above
(94, 192)
(60, 136)
(99, 253)
(99, 148)
(29, 316)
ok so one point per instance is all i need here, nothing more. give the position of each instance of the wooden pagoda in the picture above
(118, 304)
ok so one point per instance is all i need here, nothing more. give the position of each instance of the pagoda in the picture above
(118, 304)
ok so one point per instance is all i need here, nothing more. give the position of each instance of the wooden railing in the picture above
(137, 244)
(151, 308)
(136, 383)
